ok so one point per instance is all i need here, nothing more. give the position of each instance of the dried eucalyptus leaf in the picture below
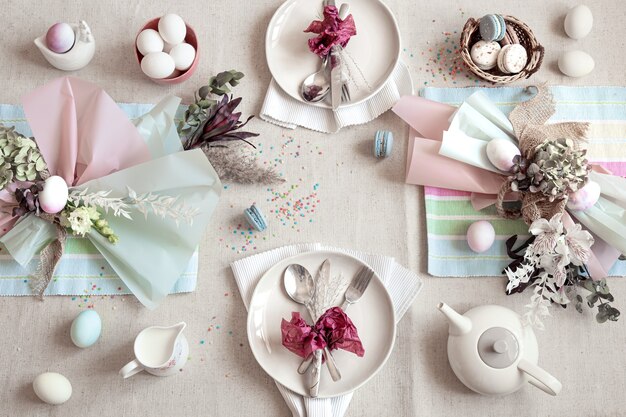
(204, 92)
(223, 77)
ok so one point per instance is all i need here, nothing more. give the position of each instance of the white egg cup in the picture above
(76, 58)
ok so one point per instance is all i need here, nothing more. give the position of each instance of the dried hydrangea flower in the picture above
(563, 168)
(20, 158)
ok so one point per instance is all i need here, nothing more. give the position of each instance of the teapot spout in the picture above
(459, 324)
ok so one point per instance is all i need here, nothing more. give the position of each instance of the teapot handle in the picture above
(540, 378)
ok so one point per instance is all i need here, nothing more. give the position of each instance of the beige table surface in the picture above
(363, 204)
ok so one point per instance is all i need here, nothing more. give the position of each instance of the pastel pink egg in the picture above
(60, 38)
(53, 197)
(584, 198)
(480, 236)
(501, 152)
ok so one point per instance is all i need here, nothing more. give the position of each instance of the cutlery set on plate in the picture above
(301, 287)
(329, 78)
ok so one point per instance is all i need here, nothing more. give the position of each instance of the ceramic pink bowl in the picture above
(178, 76)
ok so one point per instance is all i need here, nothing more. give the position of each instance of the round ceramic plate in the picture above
(373, 317)
(375, 48)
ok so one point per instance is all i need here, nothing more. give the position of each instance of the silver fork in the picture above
(345, 93)
(357, 287)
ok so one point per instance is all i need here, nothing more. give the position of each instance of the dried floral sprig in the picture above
(327, 292)
(211, 122)
(159, 205)
(238, 167)
(163, 206)
(220, 124)
(552, 263)
(100, 199)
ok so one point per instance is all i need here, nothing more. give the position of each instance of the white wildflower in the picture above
(547, 233)
(79, 221)
(578, 243)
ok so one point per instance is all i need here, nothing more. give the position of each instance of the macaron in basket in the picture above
(500, 49)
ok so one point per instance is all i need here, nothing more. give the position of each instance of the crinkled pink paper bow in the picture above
(331, 31)
(333, 329)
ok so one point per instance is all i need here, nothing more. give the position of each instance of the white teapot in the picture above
(493, 353)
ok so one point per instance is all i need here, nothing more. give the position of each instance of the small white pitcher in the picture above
(161, 351)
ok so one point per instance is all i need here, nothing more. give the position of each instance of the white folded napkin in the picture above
(402, 285)
(285, 111)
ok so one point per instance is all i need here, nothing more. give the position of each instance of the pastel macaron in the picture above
(383, 143)
(492, 27)
(254, 217)
(510, 37)
(512, 59)
(485, 54)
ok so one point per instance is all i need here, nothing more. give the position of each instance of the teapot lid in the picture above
(498, 347)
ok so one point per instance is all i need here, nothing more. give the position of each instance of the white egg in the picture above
(157, 65)
(480, 236)
(149, 41)
(501, 152)
(578, 22)
(53, 197)
(183, 55)
(172, 29)
(576, 63)
(52, 388)
(584, 198)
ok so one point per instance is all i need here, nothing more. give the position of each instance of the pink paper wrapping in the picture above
(69, 147)
(424, 165)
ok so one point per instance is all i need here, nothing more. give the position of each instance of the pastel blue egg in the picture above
(86, 328)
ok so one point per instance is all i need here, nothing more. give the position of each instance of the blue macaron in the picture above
(492, 27)
(254, 217)
(383, 143)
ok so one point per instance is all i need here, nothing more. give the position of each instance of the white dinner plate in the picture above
(375, 48)
(373, 316)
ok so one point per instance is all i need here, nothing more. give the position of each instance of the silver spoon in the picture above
(300, 286)
(317, 85)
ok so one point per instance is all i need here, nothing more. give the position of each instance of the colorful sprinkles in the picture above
(291, 205)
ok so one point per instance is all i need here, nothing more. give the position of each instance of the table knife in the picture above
(335, 76)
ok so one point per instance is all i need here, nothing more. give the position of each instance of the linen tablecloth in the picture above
(363, 204)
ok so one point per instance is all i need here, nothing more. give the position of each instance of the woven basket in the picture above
(535, 51)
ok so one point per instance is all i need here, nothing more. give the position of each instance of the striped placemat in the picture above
(82, 269)
(449, 213)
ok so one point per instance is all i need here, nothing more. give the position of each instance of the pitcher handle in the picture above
(131, 368)
(540, 378)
